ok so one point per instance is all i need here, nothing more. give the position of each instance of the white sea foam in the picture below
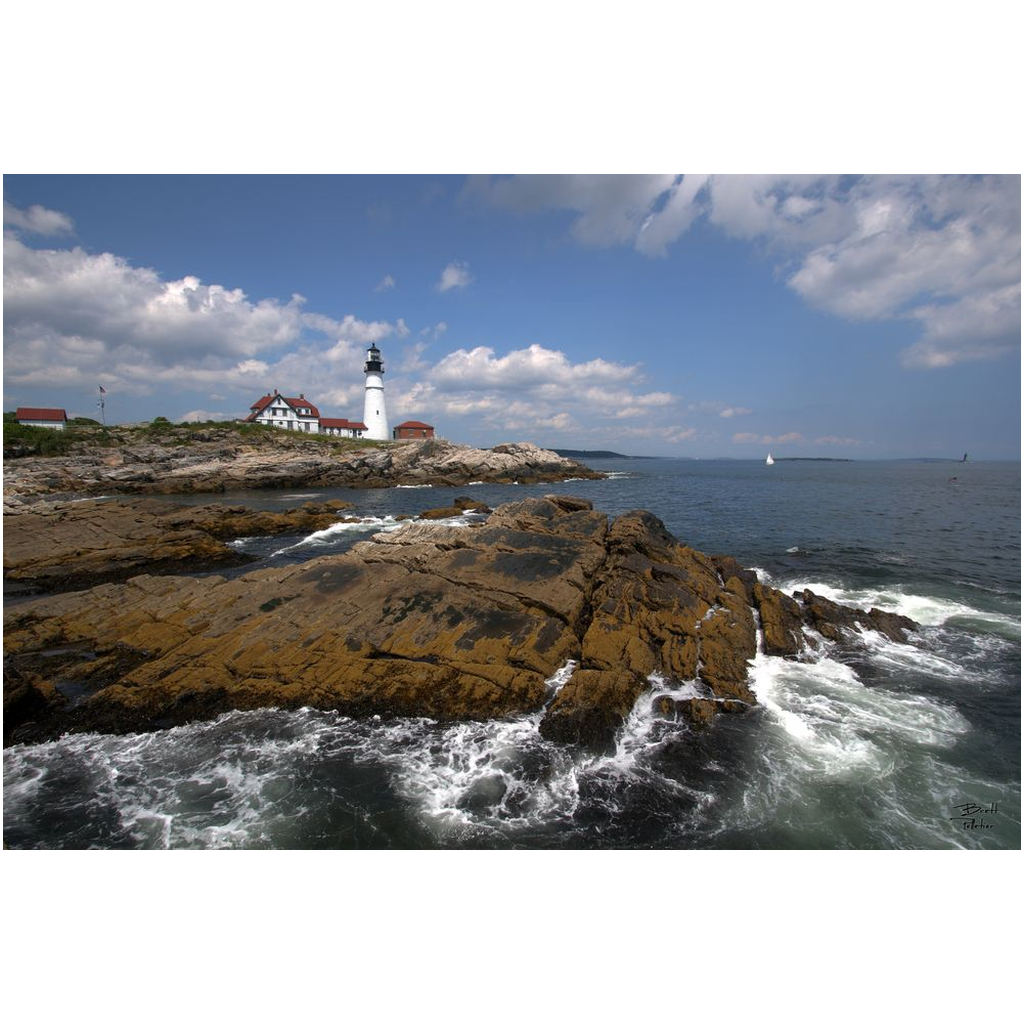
(324, 537)
(475, 483)
(826, 760)
(484, 774)
(832, 748)
(412, 487)
(929, 611)
(207, 785)
(300, 497)
(836, 719)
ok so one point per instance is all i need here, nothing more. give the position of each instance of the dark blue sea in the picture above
(883, 746)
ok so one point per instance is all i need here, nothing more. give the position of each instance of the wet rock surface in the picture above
(436, 620)
(831, 619)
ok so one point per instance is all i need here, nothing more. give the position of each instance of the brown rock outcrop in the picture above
(831, 619)
(70, 545)
(658, 608)
(781, 621)
(457, 507)
(435, 620)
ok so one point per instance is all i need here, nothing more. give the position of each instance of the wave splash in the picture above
(824, 760)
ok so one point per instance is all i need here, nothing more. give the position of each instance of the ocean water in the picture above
(882, 746)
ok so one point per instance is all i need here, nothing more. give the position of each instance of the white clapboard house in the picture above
(299, 414)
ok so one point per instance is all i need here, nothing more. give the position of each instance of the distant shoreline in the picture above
(579, 453)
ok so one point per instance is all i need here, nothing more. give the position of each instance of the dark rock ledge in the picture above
(70, 545)
(432, 620)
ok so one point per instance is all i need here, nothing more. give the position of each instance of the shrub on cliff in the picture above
(21, 439)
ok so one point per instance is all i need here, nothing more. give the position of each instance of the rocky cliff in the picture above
(209, 462)
(430, 620)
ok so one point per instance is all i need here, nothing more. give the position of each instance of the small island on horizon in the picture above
(580, 453)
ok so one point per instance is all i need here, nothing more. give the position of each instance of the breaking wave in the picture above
(929, 610)
(822, 760)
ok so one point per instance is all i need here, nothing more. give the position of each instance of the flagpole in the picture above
(102, 405)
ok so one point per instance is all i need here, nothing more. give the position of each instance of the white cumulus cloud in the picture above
(75, 319)
(941, 250)
(455, 275)
(37, 220)
(530, 389)
(202, 416)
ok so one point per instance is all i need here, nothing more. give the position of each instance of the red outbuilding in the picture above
(52, 418)
(412, 430)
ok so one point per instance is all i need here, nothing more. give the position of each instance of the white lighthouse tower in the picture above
(375, 416)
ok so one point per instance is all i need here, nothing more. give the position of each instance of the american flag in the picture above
(103, 390)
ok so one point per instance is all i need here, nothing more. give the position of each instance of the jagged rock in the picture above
(831, 619)
(697, 710)
(457, 507)
(69, 545)
(194, 462)
(729, 569)
(469, 505)
(27, 697)
(430, 620)
(781, 621)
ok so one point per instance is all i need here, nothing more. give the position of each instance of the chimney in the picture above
(301, 395)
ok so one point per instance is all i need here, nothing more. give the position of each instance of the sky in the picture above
(675, 315)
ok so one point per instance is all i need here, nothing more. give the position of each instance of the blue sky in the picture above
(862, 317)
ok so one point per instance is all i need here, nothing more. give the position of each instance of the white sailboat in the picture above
(769, 461)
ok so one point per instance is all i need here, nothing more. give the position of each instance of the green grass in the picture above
(22, 440)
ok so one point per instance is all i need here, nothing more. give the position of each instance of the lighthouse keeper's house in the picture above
(299, 414)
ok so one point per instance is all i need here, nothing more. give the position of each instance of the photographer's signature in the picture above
(971, 816)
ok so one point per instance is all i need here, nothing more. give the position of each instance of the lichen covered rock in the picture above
(430, 620)
(69, 545)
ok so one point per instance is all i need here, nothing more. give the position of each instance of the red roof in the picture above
(304, 403)
(416, 424)
(261, 403)
(296, 403)
(326, 421)
(41, 414)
